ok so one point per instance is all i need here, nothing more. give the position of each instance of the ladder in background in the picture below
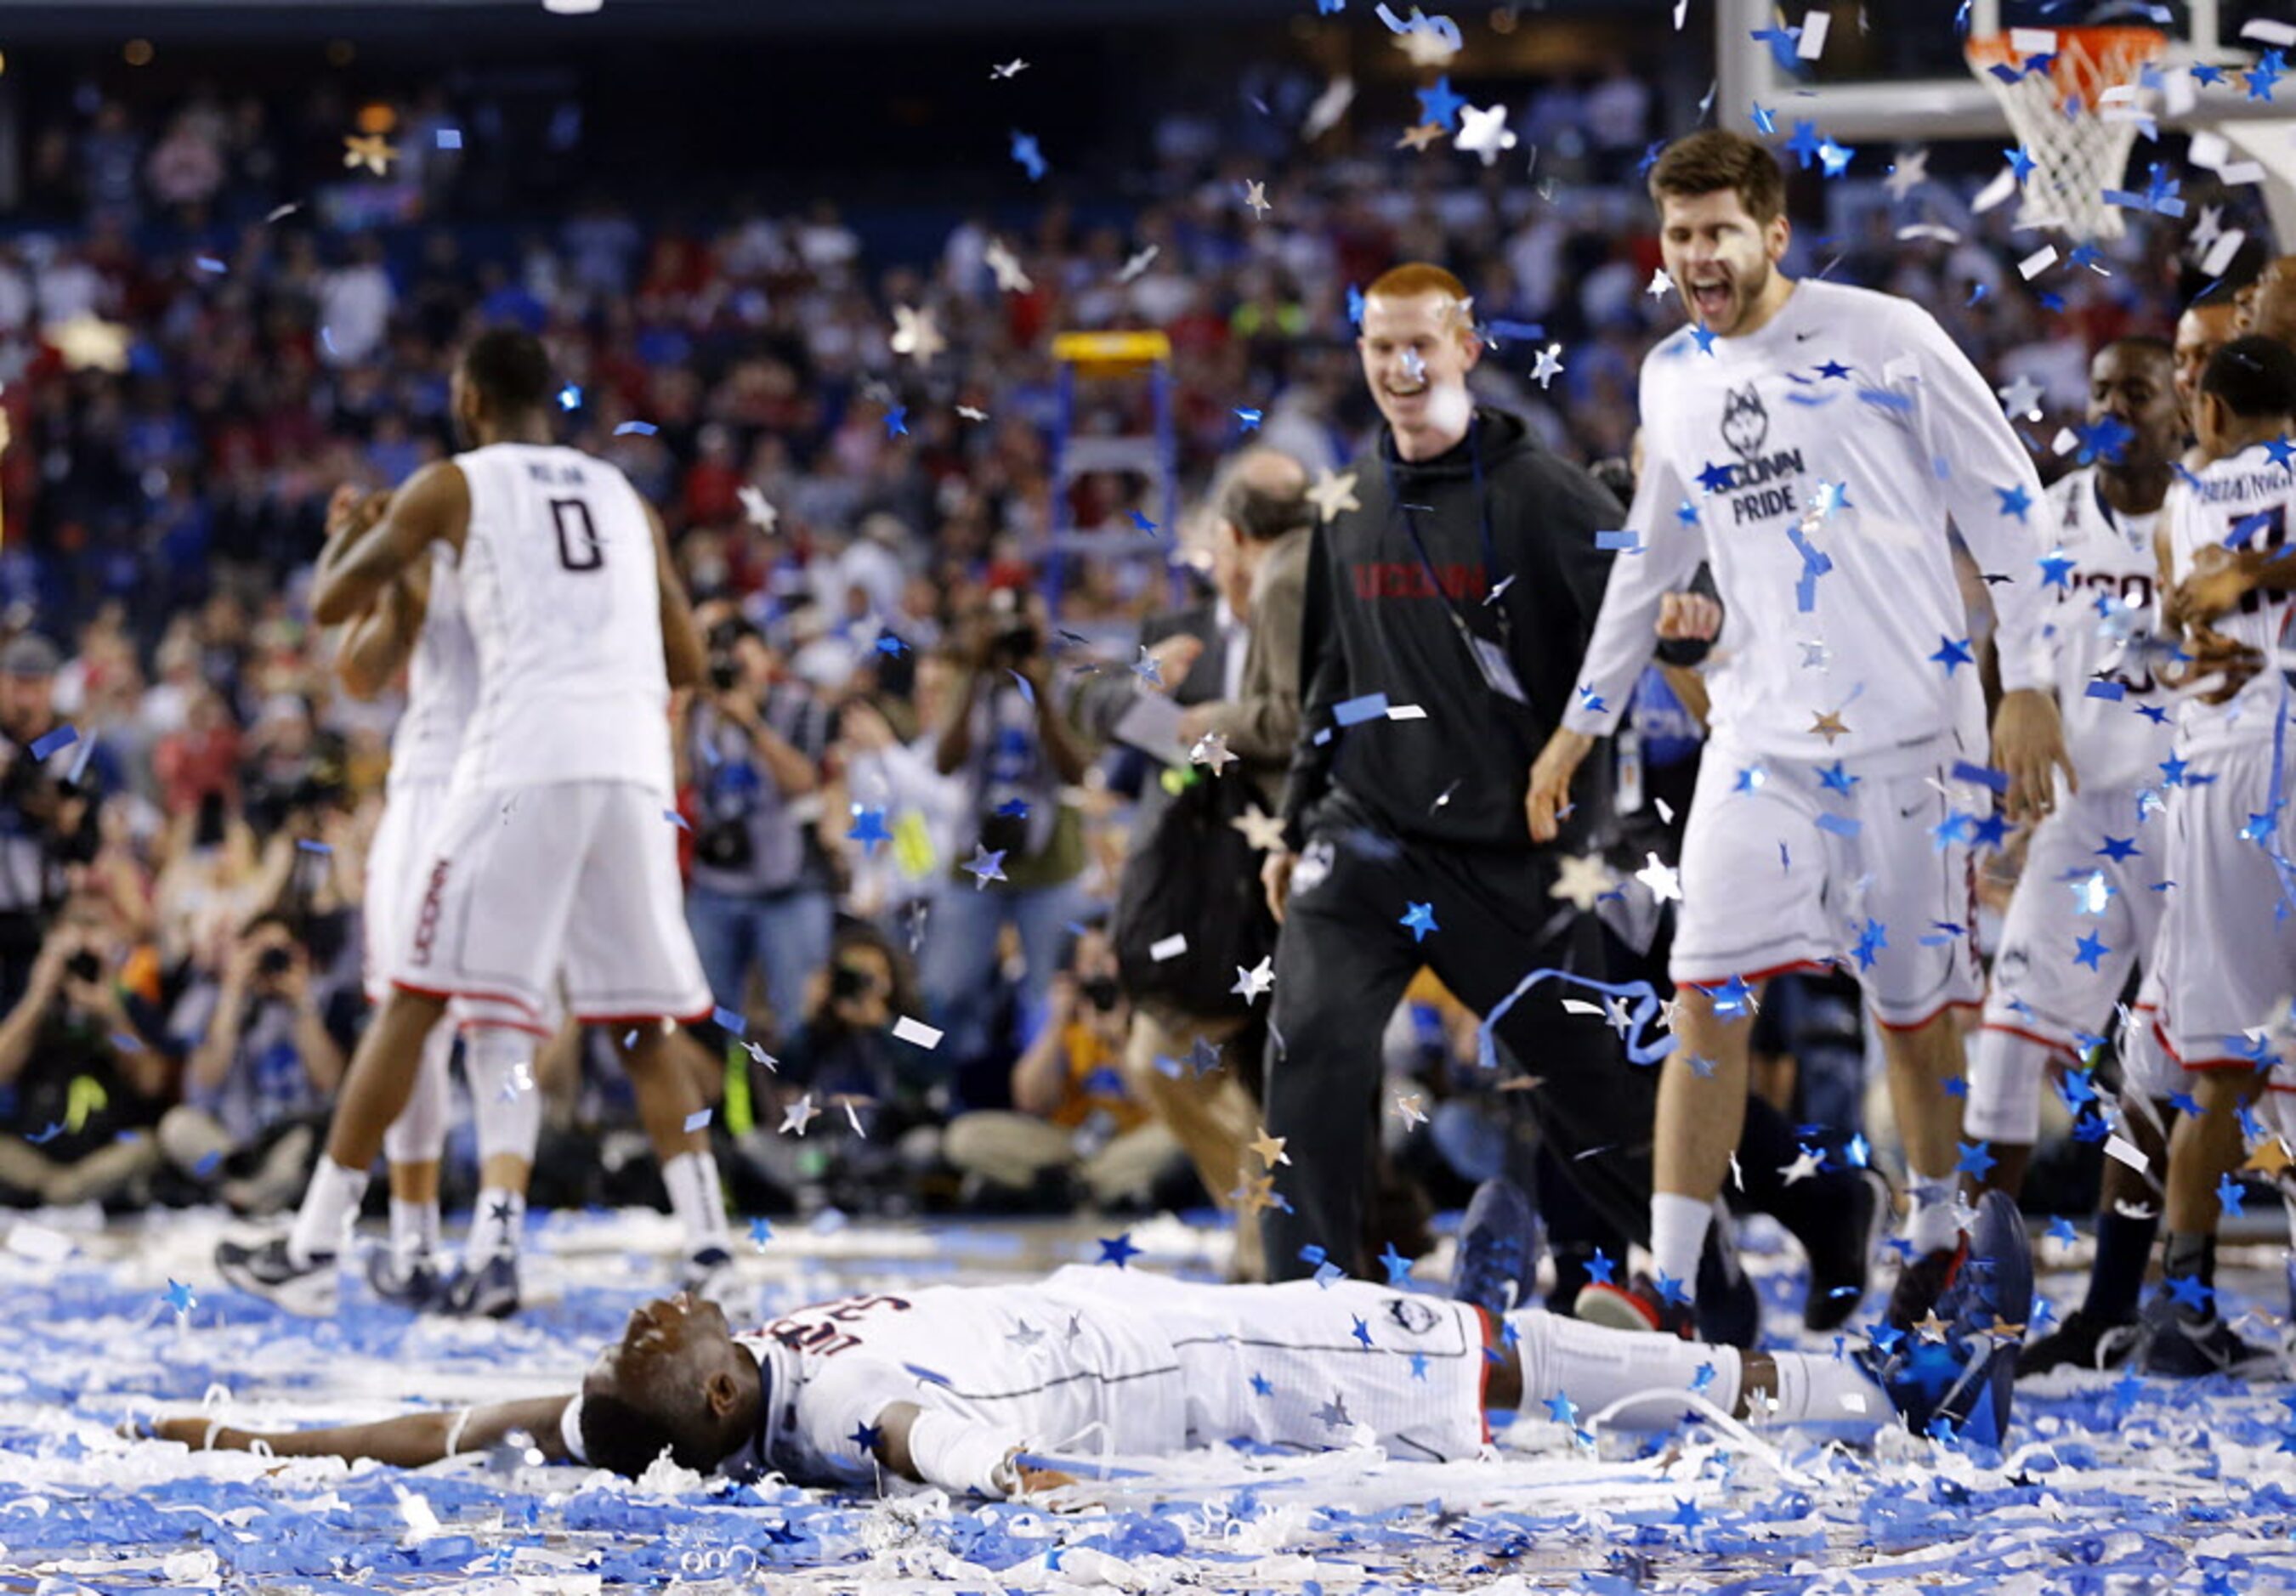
(1138, 356)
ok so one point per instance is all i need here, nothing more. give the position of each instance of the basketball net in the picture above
(2078, 131)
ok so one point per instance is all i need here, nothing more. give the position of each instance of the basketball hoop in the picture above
(2078, 129)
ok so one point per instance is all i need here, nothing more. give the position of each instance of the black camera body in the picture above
(84, 966)
(1014, 637)
(273, 961)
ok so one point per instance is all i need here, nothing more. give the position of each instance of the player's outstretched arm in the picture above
(684, 654)
(434, 506)
(408, 1442)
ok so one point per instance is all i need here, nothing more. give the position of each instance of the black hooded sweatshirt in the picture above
(1376, 624)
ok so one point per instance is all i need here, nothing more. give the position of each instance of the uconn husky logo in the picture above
(1745, 424)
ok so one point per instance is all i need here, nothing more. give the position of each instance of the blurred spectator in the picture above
(1010, 744)
(264, 1065)
(81, 1083)
(760, 896)
(46, 822)
(1071, 1130)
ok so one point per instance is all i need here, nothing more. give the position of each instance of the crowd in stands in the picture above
(180, 876)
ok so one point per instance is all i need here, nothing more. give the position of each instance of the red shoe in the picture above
(1640, 1304)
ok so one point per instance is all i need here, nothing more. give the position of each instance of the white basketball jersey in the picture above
(442, 682)
(2098, 614)
(558, 583)
(2243, 500)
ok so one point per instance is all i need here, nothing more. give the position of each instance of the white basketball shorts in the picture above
(2227, 938)
(520, 883)
(1783, 869)
(2051, 985)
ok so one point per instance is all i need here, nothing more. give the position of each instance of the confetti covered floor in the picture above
(2129, 1487)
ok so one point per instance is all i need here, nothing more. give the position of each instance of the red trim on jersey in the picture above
(694, 1018)
(506, 1024)
(2051, 1043)
(449, 993)
(1817, 966)
(1915, 1024)
(2206, 1066)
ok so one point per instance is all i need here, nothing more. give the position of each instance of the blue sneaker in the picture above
(414, 1286)
(707, 1272)
(1962, 1371)
(1499, 1243)
(487, 1292)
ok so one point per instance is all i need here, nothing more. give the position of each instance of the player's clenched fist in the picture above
(1689, 618)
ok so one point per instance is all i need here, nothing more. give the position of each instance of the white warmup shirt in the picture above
(560, 586)
(2098, 611)
(1837, 598)
(2242, 501)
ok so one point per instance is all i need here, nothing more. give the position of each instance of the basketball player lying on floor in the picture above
(961, 1387)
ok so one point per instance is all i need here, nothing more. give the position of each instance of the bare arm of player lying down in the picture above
(408, 1442)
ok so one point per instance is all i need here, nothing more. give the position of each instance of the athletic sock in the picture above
(2191, 1256)
(2116, 1275)
(697, 1198)
(1930, 1224)
(330, 1203)
(414, 1230)
(1595, 1367)
(1817, 1387)
(1679, 1226)
(495, 1226)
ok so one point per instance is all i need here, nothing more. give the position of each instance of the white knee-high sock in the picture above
(495, 1224)
(697, 1198)
(504, 1099)
(1595, 1367)
(1816, 1387)
(330, 1203)
(419, 1136)
(1930, 1224)
(1679, 1226)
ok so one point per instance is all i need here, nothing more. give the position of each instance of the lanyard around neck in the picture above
(1493, 585)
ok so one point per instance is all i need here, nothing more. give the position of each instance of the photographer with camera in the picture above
(80, 1083)
(47, 819)
(1015, 752)
(762, 891)
(264, 1066)
(846, 1054)
(1073, 1128)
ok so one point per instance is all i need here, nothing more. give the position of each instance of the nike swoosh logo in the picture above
(1909, 813)
(1803, 338)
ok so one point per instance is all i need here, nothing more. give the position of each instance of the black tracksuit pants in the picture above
(1342, 965)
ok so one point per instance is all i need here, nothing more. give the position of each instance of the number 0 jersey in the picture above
(2243, 501)
(2100, 611)
(560, 586)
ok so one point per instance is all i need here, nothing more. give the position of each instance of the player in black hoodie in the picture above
(1457, 573)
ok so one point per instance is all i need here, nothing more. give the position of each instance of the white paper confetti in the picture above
(1170, 947)
(916, 1032)
(2040, 260)
(1815, 25)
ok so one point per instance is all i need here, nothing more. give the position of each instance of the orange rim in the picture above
(2088, 60)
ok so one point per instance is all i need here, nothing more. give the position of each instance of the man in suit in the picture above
(1233, 664)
